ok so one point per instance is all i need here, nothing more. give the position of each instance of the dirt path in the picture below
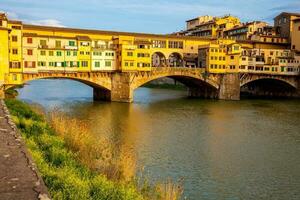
(19, 178)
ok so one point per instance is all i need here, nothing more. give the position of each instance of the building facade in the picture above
(31, 49)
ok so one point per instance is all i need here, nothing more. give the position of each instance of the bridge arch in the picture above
(275, 79)
(101, 83)
(159, 59)
(269, 87)
(197, 84)
(175, 59)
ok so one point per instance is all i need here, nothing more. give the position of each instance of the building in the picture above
(295, 36)
(220, 57)
(193, 23)
(283, 23)
(245, 31)
(206, 26)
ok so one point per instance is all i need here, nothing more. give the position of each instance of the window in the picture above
(51, 53)
(29, 64)
(175, 44)
(131, 64)
(129, 53)
(29, 52)
(84, 43)
(159, 44)
(15, 65)
(81, 52)
(84, 63)
(68, 53)
(107, 63)
(43, 53)
(14, 38)
(87, 53)
(293, 47)
(231, 57)
(58, 44)
(95, 53)
(72, 43)
(41, 64)
(97, 64)
(74, 53)
(298, 28)
(15, 51)
(29, 40)
(43, 42)
(58, 53)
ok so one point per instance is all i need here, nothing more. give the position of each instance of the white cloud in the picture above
(46, 22)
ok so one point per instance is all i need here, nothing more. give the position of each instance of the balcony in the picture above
(104, 47)
(43, 46)
(71, 47)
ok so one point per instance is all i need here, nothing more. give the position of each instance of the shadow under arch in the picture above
(268, 87)
(100, 91)
(197, 87)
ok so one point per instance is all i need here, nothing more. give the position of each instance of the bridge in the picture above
(120, 86)
(115, 64)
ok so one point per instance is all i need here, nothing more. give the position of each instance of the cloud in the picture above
(46, 22)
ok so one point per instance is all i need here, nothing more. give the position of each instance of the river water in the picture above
(249, 149)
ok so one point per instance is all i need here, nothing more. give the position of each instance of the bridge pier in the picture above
(229, 87)
(121, 88)
(100, 94)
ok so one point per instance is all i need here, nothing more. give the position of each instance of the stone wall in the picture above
(229, 87)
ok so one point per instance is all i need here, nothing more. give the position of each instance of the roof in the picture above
(102, 32)
(288, 14)
(296, 20)
(192, 19)
(83, 38)
(14, 22)
(245, 25)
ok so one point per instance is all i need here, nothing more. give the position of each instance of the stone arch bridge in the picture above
(120, 86)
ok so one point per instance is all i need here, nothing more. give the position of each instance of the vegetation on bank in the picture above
(76, 166)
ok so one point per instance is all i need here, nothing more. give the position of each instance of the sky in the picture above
(145, 16)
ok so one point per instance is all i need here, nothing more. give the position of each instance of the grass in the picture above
(75, 166)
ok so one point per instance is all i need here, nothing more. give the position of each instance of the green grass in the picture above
(64, 176)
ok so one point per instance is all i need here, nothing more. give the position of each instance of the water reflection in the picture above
(224, 150)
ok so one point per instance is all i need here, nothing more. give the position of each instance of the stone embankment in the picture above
(19, 178)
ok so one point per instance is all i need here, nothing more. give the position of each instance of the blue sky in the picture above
(152, 16)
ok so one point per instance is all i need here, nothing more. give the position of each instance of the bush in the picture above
(64, 176)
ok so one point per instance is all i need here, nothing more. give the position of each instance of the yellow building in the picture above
(210, 27)
(295, 40)
(4, 51)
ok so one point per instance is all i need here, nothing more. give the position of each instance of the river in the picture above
(248, 149)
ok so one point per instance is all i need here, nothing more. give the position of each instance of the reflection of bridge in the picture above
(120, 86)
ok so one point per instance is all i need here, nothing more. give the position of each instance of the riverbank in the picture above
(19, 176)
(59, 152)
